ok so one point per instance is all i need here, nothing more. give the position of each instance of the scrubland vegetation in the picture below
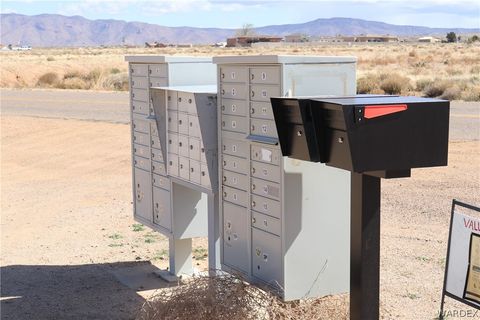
(448, 70)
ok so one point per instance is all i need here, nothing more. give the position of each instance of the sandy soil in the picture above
(66, 223)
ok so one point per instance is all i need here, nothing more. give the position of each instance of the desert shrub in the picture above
(412, 53)
(367, 84)
(114, 70)
(50, 59)
(471, 94)
(93, 75)
(394, 83)
(421, 84)
(451, 93)
(229, 297)
(72, 74)
(73, 83)
(47, 79)
(475, 70)
(115, 82)
(436, 88)
(454, 71)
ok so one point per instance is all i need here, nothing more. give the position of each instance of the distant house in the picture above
(428, 39)
(246, 41)
(370, 38)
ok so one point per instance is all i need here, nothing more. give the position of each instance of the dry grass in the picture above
(229, 297)
(412, 69)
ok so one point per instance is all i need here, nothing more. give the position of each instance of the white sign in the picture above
(463, 274)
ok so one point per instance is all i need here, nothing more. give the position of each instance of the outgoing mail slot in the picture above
(365, 134)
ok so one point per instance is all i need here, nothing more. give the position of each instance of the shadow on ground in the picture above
(93, 291)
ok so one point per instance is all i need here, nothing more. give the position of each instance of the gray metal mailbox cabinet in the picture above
(152, 186)
(286, 223)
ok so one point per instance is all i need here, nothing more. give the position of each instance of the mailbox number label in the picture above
(232, 75)
(233, 91)
(264, 93)
(264, 128)
(264, 76)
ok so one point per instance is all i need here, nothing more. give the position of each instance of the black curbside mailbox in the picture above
(373, 138)
(380, 136)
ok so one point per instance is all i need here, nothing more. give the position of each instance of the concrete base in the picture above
(167, 276)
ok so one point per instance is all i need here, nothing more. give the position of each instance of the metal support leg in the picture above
(365, 248)
(180, 252)
(213, 233)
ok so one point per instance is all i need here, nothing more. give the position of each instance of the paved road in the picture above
(66, 104)
(113, 107)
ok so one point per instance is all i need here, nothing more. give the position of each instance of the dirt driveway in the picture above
(68, 238)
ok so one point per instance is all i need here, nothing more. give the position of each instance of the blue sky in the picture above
(234, 13)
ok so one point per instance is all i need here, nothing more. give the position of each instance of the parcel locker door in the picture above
(235, 237)
(161, 182)
(139, 82)
(195, 174)
(270, 75)
(262, 127)
(143, 194)
(140, 107)
(264, 92)
(234, 124)
(233, 147)
(161, 208)
(138, 69)
(266, 257)
(183, 146)
(233, 91)
(205, 176)
(261, 110)
(183, 168)
(233, 74)
(265, 171)
(158, 70)
(172, 121)
(183, 123)
(172, 100)
(158, 82)
(141, 151)
(234, 107)
(139, 95)
(173, 165)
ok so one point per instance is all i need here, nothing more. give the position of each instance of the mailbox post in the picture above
(373, 138)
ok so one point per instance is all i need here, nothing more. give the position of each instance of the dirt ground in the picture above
(67, 227)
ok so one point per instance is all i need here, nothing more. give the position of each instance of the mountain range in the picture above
(53, 30)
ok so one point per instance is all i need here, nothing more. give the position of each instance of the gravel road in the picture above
(113, 107)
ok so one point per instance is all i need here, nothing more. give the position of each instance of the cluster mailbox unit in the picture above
(373, 138)
(283, 219)
(241, 167)
(163, 202)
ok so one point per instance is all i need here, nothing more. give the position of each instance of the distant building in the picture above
(297, 37)
(246, 41)
(370, 38)
(429, 39)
